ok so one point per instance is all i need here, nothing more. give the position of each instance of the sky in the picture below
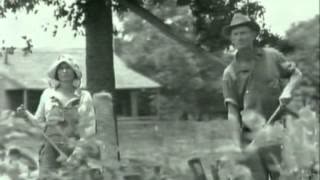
(279, 16)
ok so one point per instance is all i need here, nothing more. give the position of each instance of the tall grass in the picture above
(162, 149)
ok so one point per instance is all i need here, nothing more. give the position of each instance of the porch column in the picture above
(158, 104)
(25, 98)
(134, 103)
(2, 94)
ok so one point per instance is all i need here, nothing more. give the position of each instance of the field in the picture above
(172, 144)
(162, 149)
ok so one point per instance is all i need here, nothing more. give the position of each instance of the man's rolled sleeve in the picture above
(229, 89)
(286, 68)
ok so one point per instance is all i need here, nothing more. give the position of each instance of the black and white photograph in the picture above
(159, 90)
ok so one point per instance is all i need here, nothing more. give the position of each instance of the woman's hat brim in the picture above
(53, 69)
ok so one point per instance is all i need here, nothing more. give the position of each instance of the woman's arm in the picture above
(39, 116)
(24, 113)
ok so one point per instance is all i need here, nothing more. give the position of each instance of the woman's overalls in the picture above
(61, 125)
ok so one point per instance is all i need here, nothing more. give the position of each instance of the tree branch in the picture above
(167, 30)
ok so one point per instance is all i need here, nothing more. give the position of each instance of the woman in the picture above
(67, 112)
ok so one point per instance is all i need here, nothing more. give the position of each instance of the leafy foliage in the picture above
(300, 140)
(19, 144)
(211, 16)
(207, 18)
(301, 147)
(189, 84)
(300, 157)
(304, 37)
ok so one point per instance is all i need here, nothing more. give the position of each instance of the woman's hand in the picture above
(22, 111)
(76, 157)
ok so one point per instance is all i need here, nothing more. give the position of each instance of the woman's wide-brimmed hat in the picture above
(64, 59)
(240, 20)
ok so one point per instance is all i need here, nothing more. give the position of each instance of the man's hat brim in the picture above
(251, 24)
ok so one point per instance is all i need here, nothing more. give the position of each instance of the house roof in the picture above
(29, 72)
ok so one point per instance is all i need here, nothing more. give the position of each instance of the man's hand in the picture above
(285, 98)
(294, 80)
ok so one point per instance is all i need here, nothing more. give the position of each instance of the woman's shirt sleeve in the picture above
(40, 113)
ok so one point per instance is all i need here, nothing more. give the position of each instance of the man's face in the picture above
(242, 37)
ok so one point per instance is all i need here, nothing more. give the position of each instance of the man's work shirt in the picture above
(255, 83)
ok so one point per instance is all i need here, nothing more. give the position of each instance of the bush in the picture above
(300, 140)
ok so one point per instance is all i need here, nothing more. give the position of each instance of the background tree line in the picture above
(303, 38)
(191, 85)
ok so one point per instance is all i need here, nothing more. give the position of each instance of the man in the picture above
(252, 81)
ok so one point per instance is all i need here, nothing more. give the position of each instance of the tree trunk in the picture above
(99, 46)
(99, 63)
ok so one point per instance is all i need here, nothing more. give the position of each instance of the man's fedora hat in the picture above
(240, 20)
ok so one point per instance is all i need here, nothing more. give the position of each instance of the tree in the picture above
(160, 58)
(96, 18)
(190, 83)
(209, 19)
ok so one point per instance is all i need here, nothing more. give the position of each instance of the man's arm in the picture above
(294, 80)
(288, 70)
(234, 118)
(229, 90)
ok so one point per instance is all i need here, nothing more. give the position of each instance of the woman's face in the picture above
(65, 73)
